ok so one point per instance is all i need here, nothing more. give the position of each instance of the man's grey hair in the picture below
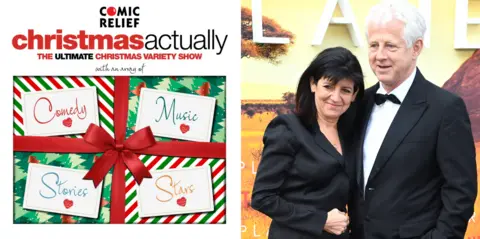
(415, 26)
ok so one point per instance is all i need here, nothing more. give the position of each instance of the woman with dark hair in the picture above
(301, 181)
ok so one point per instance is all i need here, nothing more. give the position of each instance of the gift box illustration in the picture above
(119, 149)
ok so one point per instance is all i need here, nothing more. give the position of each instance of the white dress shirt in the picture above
(380, 120)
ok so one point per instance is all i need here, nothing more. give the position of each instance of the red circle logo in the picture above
(111, 11)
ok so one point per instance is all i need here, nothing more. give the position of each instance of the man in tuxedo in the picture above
(415, 170)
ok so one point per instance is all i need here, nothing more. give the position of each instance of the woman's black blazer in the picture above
(300, 178)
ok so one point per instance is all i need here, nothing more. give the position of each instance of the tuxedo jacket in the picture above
(300, 178)
(423, 183)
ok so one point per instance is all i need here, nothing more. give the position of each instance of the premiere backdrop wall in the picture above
(270, 72)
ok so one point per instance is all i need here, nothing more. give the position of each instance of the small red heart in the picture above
(67, 203)
(182, 201)
(184, 128)
(67, 122)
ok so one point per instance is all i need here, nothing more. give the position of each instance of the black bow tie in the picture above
(381, 98)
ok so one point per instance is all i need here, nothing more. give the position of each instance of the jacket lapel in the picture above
(323, 142)
(369, 101)
(410, 111)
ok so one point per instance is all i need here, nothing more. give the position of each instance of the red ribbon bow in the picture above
(118, 153)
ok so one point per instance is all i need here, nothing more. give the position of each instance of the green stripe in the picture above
(219, 180)
(20, 83)
(109, 78)
(219, 204)
(66, 82)
(17, 104)
(180, 220)
(215, 161)
(190, 162)
(134, 194)
(209, 215)
(106, 122)
(89, 82)
(100, 92)
(156, 219)
(132, 220)
(105, 98)
(167, 161)
(18, 129)
(43, 83)
(144, 160)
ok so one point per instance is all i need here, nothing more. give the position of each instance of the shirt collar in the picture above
(401, 91)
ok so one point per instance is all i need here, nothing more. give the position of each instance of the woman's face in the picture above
(332, 100)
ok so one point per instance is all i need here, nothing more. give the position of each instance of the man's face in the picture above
(390, 59)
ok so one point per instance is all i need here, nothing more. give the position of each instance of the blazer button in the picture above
(371, 189)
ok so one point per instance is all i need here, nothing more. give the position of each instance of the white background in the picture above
(157, 17)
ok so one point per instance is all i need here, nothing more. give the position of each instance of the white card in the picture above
(176, 191)
(176, 115)
(60, 112)
(61, 190)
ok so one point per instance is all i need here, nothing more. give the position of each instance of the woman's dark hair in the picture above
(334, 64)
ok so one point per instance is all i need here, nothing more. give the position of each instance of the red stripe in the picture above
(180, 160)
(17, 92)
(220, 216)
(222, 166)
(169, 218)
(144, 220)
(130, 186)
(222, 190)
(154, 162)
(192, 219)
(132, 183)
(78, 82)
(54, 82)
(202, 162)
(30, 82)
(18, 117)
(107, 88)
(130, 210)
(102, 107)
